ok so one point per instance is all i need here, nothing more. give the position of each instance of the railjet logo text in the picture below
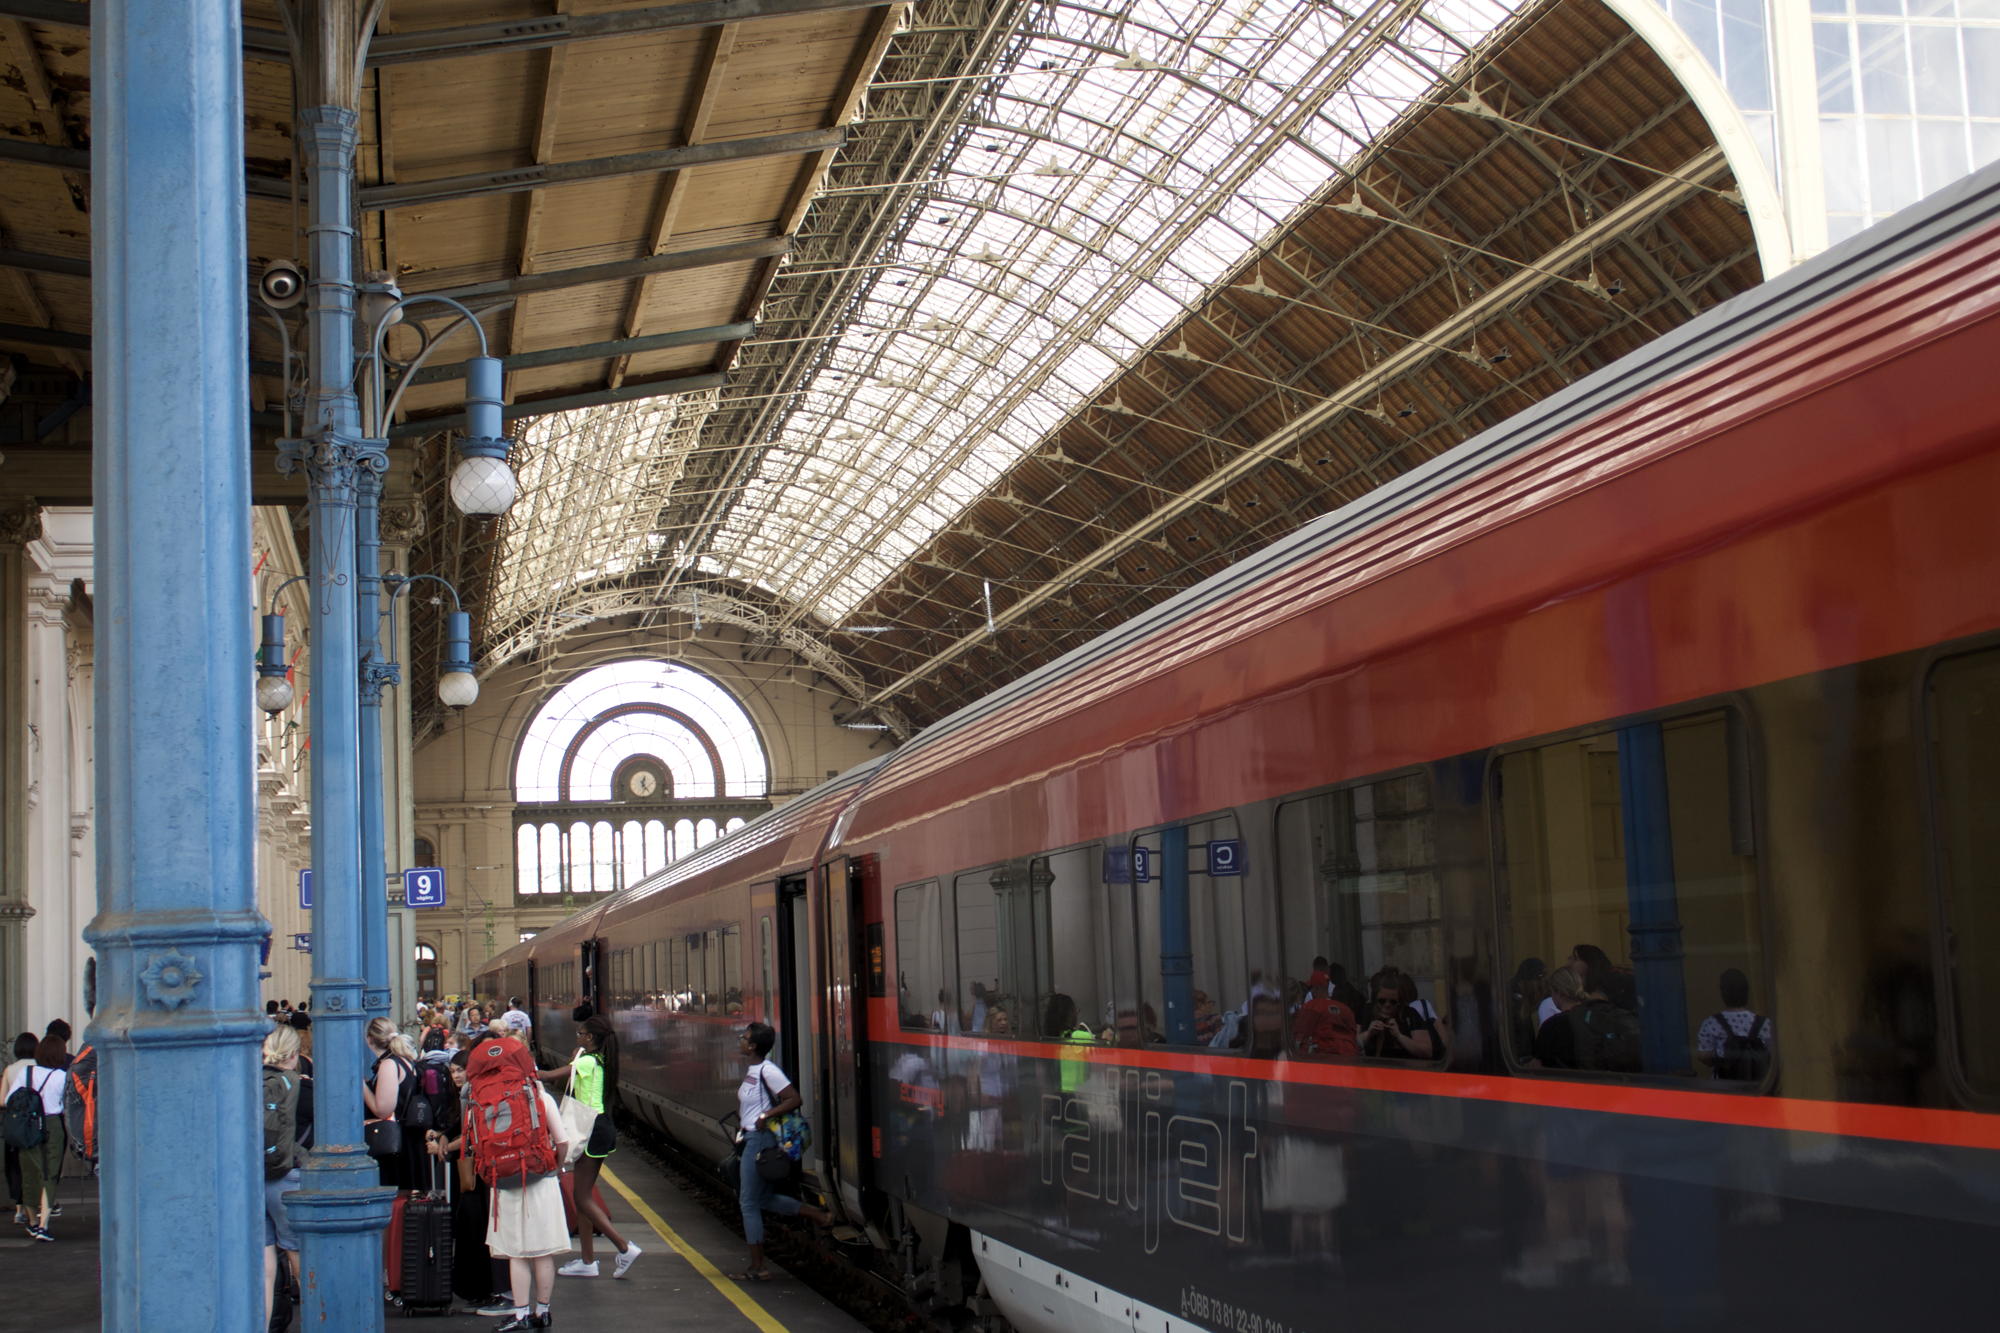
(1128, 1145)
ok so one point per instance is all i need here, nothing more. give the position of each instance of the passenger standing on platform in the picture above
(385, 1095)
(24, 1058)
(41, 1165)
(475, 1274)
(594, 1082)
(287, 1110)
(764, 1095)
(515, 1127)
(517, 1021)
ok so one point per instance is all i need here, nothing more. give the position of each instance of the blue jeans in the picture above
(754, 1192)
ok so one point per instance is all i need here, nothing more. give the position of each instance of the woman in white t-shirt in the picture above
(41, 1165)
(763, 1096)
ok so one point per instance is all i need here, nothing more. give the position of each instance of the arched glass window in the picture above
(656, 845)
(691, 727)
(528, 859)
(427, 972)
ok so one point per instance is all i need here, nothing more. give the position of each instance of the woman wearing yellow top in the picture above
(593, 1075)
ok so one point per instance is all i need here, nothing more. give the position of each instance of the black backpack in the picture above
(1746, 1059)
(21, 1122)
(1607, 1038)
(281, 1122)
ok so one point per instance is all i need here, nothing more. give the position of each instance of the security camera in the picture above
(282, 285)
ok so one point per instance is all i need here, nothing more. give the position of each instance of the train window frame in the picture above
(1130, 841)
(916, 1019)
(1749, 739)
(1936, 868)
(1037, 935)
(1440, 1001)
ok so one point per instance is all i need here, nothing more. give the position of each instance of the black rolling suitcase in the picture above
(426, 1266)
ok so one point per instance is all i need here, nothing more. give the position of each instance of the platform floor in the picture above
(678, 1282)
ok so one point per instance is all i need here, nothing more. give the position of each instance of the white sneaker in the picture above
(578, 1268)
(625, 1258)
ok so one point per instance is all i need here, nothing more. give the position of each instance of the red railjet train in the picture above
(1565, 881)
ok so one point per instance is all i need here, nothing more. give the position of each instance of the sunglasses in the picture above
(1386, 999)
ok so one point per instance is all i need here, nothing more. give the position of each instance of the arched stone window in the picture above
(427, 972)
(626, 768)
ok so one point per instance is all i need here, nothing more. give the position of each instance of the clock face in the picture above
(643, 782)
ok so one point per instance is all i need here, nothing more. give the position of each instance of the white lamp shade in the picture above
(458, 689)
(482, 485)
(274, 693)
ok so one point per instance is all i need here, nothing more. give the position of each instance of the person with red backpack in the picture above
(517, 1140)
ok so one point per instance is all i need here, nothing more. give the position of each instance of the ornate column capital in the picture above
(20, 523)
(402, 522)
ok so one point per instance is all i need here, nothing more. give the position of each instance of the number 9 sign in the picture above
(424, 887)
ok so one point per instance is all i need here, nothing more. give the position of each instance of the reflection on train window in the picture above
(1185, 886)
(730, 1000)
(1965, 747)
(922, 1000)
(765, 965)
(1003, 933)
(1627, 864)
(1076, 923)
(1358, 879)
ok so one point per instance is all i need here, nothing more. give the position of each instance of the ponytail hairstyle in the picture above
(605, 1038)
(383, 1033)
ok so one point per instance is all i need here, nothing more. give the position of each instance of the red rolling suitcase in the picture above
(420, 1257)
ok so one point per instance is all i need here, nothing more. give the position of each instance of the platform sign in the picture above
(423, 887)
(1225, 856)
(1117, 865)
(303, 941)
(306, 890)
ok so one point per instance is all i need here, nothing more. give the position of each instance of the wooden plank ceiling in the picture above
(644, 165)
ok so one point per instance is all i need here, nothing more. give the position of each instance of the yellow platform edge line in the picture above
(739, 1298)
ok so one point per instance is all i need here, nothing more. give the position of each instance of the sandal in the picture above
(751, 1275)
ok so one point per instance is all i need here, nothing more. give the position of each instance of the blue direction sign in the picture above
(303, 941)
(423, 887)
(1225, 856)
(306, 890)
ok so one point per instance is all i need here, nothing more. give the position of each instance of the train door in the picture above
(533, 999)
(843, 886)
(589, 984)
(794, 1023)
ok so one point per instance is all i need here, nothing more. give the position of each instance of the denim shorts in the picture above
(277, 1221)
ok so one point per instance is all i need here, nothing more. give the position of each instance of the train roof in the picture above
(1969, 207)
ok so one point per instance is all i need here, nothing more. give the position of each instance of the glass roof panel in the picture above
(1092, 192)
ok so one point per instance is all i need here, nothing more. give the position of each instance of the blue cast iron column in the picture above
(376, 672)
(340, 1210)
(1176, 938)
(177, 930)
(1652, 899)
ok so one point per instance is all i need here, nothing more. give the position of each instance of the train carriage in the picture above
(1696, 665)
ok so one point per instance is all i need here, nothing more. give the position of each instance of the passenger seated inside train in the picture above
(1395, 1030)
(1736, 1042)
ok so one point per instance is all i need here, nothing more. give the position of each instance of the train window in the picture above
(1627, 860)
(718, 974)
(766, 965)
(1358, 879)
(1185, 886)
(1964, 701)
(1077, 931)
(732, 972)
(922, 999)
(1003, 933)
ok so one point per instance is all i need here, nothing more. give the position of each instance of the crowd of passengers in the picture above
(1583, 1015)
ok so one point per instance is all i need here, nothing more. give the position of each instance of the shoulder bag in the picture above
(578, 1119)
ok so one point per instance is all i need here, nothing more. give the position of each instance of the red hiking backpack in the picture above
(80, 1104)
(505, 1127)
